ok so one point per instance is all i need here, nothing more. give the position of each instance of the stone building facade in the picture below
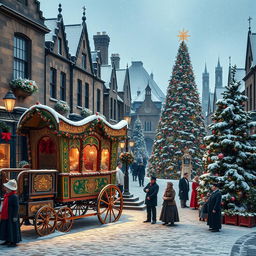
(59, 59)
(21, 55)
(250, 72)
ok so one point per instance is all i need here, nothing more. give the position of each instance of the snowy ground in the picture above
(130, 236)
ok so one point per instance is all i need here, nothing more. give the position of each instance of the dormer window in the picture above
(59, 46)
(83, 61)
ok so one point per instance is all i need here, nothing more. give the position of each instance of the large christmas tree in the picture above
(139, 150)
(230, 159)
(181, 124)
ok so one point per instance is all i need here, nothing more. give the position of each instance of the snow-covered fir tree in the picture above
(139, 150)
(181, 124)
(230, 158)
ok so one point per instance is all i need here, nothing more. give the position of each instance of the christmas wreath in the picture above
(5, 131)
(126, 157)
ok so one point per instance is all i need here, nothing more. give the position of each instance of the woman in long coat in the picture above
(169, 213)
(194, 200)
(9, 221)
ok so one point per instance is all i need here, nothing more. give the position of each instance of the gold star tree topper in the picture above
(183, 35)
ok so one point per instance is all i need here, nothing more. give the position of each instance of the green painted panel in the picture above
(91, 141)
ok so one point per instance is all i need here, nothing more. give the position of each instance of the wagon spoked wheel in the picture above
(45, 221)
(64, 219)
(110, 204)
(79, 208)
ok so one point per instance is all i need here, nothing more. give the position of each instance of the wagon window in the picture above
(4, 155)
(74, 160)
(90, 156)
(104, 159)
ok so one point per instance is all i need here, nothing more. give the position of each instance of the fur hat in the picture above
(153, 178)
(11, 184)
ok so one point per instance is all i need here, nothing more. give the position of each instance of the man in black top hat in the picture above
(151, 191)
(183, 190)
(214, 209)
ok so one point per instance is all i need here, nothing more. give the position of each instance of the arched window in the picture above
(90, 156)
(22, 61)
(74, 160)
(104, 159)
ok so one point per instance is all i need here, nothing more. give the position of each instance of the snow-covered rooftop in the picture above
(52, 24)
(139, 78)
(73, 33)
(86, 120)
(95, 55)
(240, 74)
(141, 97)
(253, 47)
(106, 71)
(120, 77)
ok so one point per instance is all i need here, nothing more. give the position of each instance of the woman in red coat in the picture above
(194, 201)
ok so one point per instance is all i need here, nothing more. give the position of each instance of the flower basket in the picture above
(246, 221)
(23, 87)
(86, 112)
(126, 157)
(62, 107)
(231, 219)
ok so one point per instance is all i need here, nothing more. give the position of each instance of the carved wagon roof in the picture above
(39, 116)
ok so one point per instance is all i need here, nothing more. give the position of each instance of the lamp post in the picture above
(128, 142)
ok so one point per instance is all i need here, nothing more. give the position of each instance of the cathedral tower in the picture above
(205, 90)
(218, 75)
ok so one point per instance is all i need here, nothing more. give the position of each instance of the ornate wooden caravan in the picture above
(72, 169)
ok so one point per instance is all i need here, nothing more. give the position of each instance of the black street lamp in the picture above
(9, 101)
(128, 142)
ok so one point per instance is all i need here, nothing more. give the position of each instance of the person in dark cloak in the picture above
(151, 191)
(183, 190)
(214, 209)
(9, 220)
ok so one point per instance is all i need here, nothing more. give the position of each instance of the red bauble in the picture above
(213, 131)
(183, 109)
(222, 203)
(220, 156)
(233, 198)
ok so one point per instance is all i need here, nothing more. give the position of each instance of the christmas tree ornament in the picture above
(220, 156)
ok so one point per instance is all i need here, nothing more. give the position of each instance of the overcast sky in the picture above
(147, 30)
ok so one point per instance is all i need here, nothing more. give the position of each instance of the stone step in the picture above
(128, 196)
(136, 208)
(132, 199)
(136, 203)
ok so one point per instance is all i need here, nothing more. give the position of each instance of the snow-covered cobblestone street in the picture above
(130, 236)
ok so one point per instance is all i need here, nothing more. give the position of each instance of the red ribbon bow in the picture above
(6, 136)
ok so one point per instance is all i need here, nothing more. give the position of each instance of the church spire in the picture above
(84, 18)
(249, 21)
(205, 68)
(59, 10)
(218, 62)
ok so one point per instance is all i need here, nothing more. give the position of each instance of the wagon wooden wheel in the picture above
(64, 219)
(45, 221)
(109, 204)
(79, 208)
